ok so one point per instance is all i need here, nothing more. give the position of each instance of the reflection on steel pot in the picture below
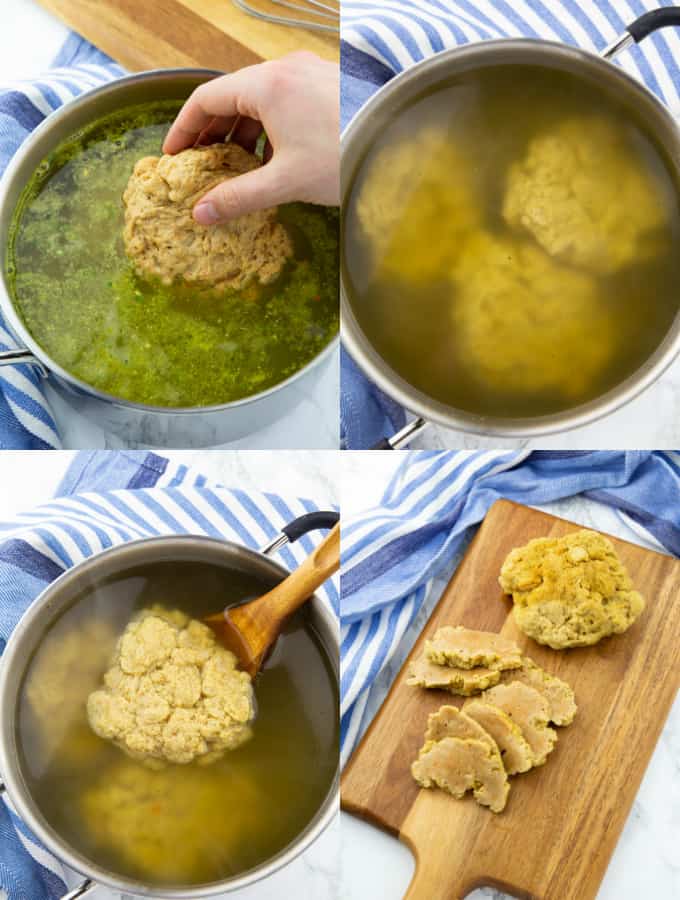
(421, 81)
(61, 597)
(135, 422)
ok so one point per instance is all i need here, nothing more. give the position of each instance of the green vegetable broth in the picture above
(135, 338)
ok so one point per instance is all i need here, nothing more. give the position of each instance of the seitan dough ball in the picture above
(523, 323)
(584, 194)
(163, 240)
(415, 206)
(172, 694)
(570, 591)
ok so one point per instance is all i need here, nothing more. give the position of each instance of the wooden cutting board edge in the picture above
(170, 33)
(598, 865)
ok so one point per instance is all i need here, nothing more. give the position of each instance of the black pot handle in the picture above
(403, 437)
(302, 525)
(642, 27)
(310, 522)
(653, 20)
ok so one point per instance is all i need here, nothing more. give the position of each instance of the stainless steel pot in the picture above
(58, 596)
(151, 425)
(386, 103)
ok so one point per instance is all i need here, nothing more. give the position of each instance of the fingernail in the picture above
(206, 213)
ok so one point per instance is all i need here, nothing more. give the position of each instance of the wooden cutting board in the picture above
(562, 821)
(214, 34)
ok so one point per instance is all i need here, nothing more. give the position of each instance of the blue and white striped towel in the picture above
(26, 422)
(383, 37)
(436, 499)
(107, 498)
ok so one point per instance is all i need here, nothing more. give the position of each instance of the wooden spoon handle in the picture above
(261, 620)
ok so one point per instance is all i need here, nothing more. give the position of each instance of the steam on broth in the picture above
(181, 824)
(510, 241)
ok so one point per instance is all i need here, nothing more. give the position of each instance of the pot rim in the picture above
(11, 316)
(361, 349)
(20, 796)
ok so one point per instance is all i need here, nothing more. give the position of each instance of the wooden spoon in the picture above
(251, 629)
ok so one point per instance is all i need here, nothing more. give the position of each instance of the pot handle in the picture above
(641, 27)
(407, 433)
(19, 357)
(83, 890)
(303, 524)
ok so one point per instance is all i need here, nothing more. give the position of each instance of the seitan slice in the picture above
(464, 682)
(464, 648)
(559, 695)
(449, 721)
(515, 752)
(531, 711)
(457, 766)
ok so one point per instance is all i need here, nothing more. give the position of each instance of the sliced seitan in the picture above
(457, 766)
(449, 721)
(464, 648)
(531, 711)
(464, 682)
(559, 695)
(515, 752)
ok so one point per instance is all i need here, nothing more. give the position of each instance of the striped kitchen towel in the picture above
(380, 38)
(26, 422)
(107, 498)
(433, 505)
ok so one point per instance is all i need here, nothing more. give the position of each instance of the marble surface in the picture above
(645, 863)
(651, 420)
(313, 423)
(27, 479)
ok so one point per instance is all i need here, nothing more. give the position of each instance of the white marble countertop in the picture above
(29, 40)
(27, 479)
(645, 863)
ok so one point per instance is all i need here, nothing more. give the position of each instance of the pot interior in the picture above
(130, 328)
(510, 234)
(179, 826)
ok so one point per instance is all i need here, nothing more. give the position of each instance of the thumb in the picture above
(246, 193)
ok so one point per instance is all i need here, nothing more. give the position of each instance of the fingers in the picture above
(222, 98)
(216, 130)
(246, 133)
(263, 187)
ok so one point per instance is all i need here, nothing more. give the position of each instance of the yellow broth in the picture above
(184, 824)
(479, 311)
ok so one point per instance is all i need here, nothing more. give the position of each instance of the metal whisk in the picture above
(315, 10)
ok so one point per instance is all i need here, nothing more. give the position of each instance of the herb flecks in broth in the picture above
(138, 339)
(183, 824)
(509, 242)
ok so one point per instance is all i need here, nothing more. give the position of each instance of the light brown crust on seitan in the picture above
(465, 648)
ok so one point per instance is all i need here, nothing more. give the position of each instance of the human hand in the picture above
(296, 100)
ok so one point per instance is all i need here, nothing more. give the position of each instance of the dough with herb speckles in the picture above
(570, 591)
(163, 240)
